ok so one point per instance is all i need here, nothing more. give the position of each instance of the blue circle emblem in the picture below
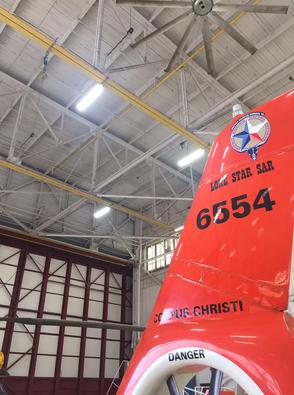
(249, 133)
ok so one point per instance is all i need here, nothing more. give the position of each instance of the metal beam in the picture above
(35, 35)
(135, 162)
(75, 206)
(109, 196)
(240, 92)
(182, 175)
(48, 127)
(119, 237)
(98, 36)
(97, 128)
(83, 194)
(16, 127)
(232, 98)
(61, 40)
(268, 40)
(111, 237)
(60, 246)
(128, 41)
(17, 221)
(12, 10)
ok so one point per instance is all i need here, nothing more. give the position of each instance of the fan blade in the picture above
(163, 29)
(207, 46)
(172, 386)
(264, 9)
(216, 382)
(156, 3)
(233, 33)
(181, 44)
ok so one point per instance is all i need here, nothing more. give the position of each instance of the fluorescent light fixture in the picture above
(179, 228)
(191, 157)
(90, 97)
(101, 212)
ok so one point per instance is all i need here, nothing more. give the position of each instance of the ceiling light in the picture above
(101, 212)
(89, 97)
(191, 157)
(179, 228)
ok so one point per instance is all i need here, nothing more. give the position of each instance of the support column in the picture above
(6, 345)
(84, 331)
(136, 310)
(186, 118)
(38, 327)
(62, 328)
(122, 320)
(104, 335)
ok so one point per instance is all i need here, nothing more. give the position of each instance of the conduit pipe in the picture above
(72, 323)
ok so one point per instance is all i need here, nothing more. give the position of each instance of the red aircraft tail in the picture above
(224, 299)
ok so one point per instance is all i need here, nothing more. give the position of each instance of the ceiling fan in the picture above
(204, 11)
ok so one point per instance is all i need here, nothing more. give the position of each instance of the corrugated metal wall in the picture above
(36, 281)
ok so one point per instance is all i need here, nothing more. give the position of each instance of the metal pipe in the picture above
(102, 195)
(172, 386)
(91, 236)
(72, 323)
(216, 382)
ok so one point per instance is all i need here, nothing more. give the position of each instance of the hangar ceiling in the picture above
(114, 153)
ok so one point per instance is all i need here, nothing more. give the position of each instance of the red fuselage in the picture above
(226, 290)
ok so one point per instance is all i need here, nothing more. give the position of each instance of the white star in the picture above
(255, 129)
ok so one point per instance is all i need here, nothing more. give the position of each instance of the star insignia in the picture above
(250, 132)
